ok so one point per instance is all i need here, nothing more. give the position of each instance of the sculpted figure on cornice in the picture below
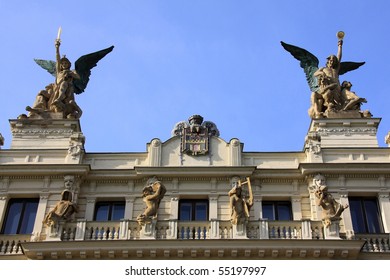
(239, 203)
(65, 207)
(59, 96)
(329, 98)
(331, 209)
(152, 194)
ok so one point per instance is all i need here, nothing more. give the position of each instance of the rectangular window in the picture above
(193, 210)
(277, 210)
(20, 216)
(365, 215)
(109, 211)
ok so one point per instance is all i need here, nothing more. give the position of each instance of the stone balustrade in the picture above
(375, 242)
(10, 244)
(126, 229)
(194, 230)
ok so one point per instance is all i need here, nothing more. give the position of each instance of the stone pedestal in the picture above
(344, 133)
(239, 231)
(29, 133)
(53, 233)
(332, 231)
(148, 231)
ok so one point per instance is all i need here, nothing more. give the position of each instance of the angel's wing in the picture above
(349, 66)
(308, 62)
(48, 65)
(83, 67)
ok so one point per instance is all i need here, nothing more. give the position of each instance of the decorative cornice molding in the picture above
(346, 131)
(41, 131)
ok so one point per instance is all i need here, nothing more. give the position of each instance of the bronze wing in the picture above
(308, 62)
(83, 67)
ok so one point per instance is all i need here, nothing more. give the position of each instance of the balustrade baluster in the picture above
(226, 233)
(375, 243)
(65, 235)
(110, 233)
(116, 234)
(6, 247)
(287, 232)
(381, 245)
(387, 244)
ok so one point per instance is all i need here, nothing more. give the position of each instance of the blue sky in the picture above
(221, 59)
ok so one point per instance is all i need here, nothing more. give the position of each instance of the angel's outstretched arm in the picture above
(58, 56)
(339, 53)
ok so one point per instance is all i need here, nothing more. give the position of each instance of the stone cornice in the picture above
(381, 169)
(199, 249)
(41, 170)
(204, 171)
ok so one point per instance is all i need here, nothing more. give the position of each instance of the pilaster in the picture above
(384, 207)
(129, 207)
(3, 205)
(296, 208)
(155, 152)
(90, 208)
(235, 152)
(257, 207)
(43, 198)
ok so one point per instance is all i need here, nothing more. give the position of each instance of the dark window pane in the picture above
(268, 211)
(201, 211)
(13, 217)
(357, 216)
(101, 212)
(186, 212)
(118, 211)
(284, 212)
(27, 223)
(372, 216)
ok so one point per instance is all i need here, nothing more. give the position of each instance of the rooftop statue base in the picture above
(344, 132)
(29, 133)
(343, 114)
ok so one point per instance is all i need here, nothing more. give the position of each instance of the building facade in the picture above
(194, 196)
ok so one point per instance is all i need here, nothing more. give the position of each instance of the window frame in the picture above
(26, 203)
(364, 211)
(193, 203)
(275, 205)
(110, 204)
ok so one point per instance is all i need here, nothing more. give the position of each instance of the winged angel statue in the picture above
(58, 97)
(329, 97)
